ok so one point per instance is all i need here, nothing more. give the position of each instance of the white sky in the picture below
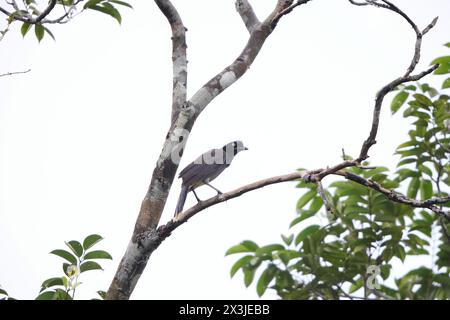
(80, 133)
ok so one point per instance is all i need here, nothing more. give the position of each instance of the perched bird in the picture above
(205, 169)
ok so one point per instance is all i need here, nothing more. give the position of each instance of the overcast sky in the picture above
(81, 132)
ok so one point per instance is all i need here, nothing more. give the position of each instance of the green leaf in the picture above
(47, 295)
(122, 3)
(239, 264)
(49, 33)
(441, 60)
(423, 99)
(413, 188)
(97, 254)
(287, 240)
(306, 232)
(25, 28)
(406, 161)
(109, 10)
(61, 294)
(410, 88)
(356, 285)
(90, 265)
(102, 294)
(316, 204)
(424, 169)
(268, 249)
(3, 292)
(244, 246)
(76, 247)
(399, 252)
(249, 274)
(91, 3)
(398, 101)
(385, 271)
(446, 84)
(447, 45)
(65, 2)
(407, 173)
(304, 214)
(39, 31)
(426, 189)
(307, 197)
(65, 255)
(265, 279)
(90, 240)
(250, 245)
(51, 283)
(443, 68)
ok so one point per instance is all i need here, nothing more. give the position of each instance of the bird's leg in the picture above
(196, 197)
(218, 191)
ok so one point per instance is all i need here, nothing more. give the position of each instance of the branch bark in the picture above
(179, 57)
(145, 238)
(245, 10)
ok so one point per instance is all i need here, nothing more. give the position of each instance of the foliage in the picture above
(352, 250)
(28, 14)
(79, 258)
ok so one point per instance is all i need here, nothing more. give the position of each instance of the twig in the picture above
(286, 11)
(324, 197)
(398, 197)
(407, 77)
(14, 72)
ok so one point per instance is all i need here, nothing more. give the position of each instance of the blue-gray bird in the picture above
(205, 169)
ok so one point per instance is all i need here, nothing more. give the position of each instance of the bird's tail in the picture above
(181, 200)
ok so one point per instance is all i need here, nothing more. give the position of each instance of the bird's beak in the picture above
(245, 148)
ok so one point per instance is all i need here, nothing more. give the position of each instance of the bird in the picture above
(205, 169)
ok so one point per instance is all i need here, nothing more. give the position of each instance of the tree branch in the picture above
(245, 10)
(166, 230)
(44, 13)
(398, 197)
(287, 10)
(179, 58)
(407, 77)
(14, 72)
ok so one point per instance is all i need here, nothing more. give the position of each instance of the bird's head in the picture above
(234, 147)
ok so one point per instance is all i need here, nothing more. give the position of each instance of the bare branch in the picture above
(15, 72)
(398, 197)
(245, 10)
(371, 140)
(44, 13)
(287, 10)
(179, 58)
(165, 231)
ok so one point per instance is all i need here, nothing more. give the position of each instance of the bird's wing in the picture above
(191, 166)
(203, 169)
(198, 173)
